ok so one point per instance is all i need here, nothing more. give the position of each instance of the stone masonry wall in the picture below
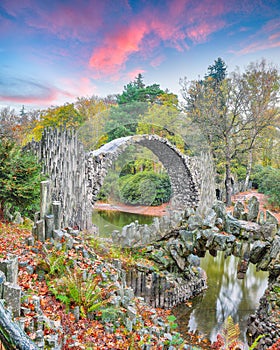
(183, 172)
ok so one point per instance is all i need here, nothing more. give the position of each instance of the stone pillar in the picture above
(12, 296)
(40, 228)
(56, 209)
(10, 268)
(49, 226)
(45, 204)
(2, 281)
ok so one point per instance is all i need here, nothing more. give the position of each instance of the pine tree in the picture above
(20, 176)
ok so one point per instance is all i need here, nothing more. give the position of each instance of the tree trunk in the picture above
(248, 170)
(228, 184)
(11, 335)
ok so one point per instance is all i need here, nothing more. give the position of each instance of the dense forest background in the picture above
(235, 115)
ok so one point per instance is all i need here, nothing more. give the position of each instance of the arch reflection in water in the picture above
(225, 296)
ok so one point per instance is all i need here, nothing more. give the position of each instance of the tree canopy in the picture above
(233, 112)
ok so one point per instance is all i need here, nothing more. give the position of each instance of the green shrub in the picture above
(267, 180)
(145, 188)
(20, 176)
(109, 190)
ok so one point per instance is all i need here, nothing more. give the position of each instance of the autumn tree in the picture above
(260, 97)
(95, 110)
(55, 117)
(9, 123)
(232, 112)
(164, 119)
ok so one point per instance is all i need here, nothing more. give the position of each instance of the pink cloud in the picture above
(134, 73)
(113, 54)
(157, 61)
(258, 46)
(268, 37)
(274, 36)
(81, 86)
(178, 26)
(199, 34)
(32, 98)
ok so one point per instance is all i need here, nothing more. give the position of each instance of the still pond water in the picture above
(225, 296)
(109, 220)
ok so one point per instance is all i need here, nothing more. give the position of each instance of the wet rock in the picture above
(219, 224)
(210, 219)
(268, 231)
(236, 250)
(243, 229)
(221, 212)
(177, 251)
(160, 257)
(194, 222)
(270, 218)
(258, 251)
(238, 210)
(264, 263)
(261, 219)
(275, 249)
(193, 260)
(219, 242)
(186, 236)
(253, 209)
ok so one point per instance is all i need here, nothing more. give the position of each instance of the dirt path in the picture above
(136, 209)
(264, 205)
(163, 209)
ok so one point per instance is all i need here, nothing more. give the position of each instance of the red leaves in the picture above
(275, 346)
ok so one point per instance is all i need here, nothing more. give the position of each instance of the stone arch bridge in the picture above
(77, 176)
(183, 172)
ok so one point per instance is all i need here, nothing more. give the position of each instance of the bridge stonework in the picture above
(76, 176)
(182, 170)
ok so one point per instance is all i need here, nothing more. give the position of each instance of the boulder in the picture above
(238, 210)
(258, 251)
(268, 231)
(270, 218)
(261, 219)
(193, 260)
(221, 212)
(253, 209)
(243, 229)
(210, 219)
(219, 242)
(275, 249)
(194, 222)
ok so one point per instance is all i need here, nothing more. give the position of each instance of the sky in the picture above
(52, 52)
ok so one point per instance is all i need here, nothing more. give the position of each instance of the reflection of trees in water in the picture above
(108, 220)
(226, 295)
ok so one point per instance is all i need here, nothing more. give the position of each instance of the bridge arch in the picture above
(184, 176)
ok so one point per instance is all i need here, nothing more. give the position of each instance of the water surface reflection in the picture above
(109, 220)
(225, 296)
